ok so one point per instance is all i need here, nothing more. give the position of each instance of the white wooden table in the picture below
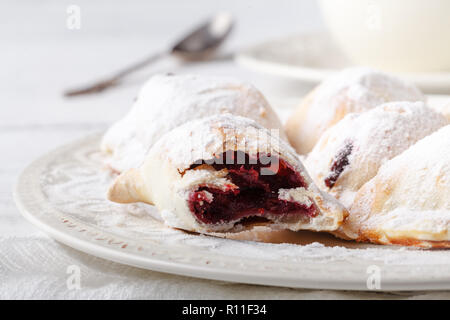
(41, 57)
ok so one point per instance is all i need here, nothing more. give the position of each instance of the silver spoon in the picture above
(199, 44)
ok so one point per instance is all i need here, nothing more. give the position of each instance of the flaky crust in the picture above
(167, 101)
(350, 153)
(166, 177)
(352, 90)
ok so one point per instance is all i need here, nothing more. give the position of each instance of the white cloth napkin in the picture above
(36, 267)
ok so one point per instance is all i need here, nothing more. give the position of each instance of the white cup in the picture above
(393, 35)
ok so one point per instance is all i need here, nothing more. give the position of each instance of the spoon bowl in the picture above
(204, 40)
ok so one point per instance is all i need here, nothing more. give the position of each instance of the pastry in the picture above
(167, 101)
(408, 201)
(352, 90)
(223, 173)
(443, 108)
(350, 153)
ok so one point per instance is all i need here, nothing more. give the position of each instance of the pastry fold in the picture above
(408, 201)
(353, 90)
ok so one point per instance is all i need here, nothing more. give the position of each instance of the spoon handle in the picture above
(114, 80)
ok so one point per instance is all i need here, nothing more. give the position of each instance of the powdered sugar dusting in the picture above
(206, 141)
(353, 90)
(401, 219)
(375, 137)
(415, 184)
(208, 137)
(360, 89)
(444, 108)
(167, 101)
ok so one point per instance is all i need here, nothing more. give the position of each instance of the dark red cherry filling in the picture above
(339, 164)
(258, 179)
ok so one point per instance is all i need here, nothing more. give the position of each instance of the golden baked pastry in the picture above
(408, 201)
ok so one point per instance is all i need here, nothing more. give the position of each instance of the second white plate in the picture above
(313, 57)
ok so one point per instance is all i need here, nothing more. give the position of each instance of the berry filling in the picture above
(339, 164)
(258, 180)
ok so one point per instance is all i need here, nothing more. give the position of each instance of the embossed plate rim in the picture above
(189, 261)
(255, 58)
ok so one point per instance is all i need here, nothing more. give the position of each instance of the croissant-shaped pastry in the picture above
(167, 101)
(408, 201)
(219, 173)
(350, 91)
(350, 153)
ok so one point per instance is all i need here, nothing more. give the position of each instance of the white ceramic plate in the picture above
(313, 57)
(63, 193)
